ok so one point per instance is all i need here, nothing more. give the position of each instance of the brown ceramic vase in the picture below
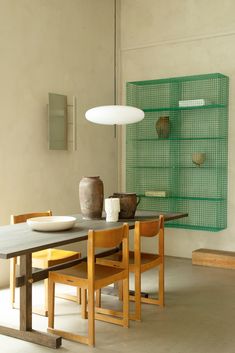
(91, 196)
(128, 204)
(163, 127)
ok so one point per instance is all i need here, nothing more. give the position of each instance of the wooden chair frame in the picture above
(41, 259)
(95, 277)
(146, 261)
(143, 262)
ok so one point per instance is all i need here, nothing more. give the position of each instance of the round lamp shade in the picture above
(114, 115)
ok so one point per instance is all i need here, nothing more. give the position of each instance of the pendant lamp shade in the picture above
(114, 115)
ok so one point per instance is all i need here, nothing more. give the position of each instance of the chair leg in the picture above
(91, 318)
(161, 285)
(46, 297)
(125, 285)
(12, 280)
(83, 303)
(138, 295)
(98, 298)
(120, 290)
(79, 295)
(51, 303)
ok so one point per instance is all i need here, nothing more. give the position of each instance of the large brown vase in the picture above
(163, 127)
(91, 196)
(128, 204)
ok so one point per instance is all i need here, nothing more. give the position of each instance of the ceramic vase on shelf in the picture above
(163, 127)
(91, 197)
(198, 158)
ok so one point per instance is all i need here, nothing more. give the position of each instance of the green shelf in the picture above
(181, 79)
(184, 198)
(165, 164)
(177, 167)
(187, 226)
(178, 139)
(166, 109)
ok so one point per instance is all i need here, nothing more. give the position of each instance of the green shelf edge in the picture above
(178, 79)
(166, 109)
(177, 139)
(175, 167)
(215, 199)
(194, 227)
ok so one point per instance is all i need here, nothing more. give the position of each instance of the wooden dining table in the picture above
(21, 240)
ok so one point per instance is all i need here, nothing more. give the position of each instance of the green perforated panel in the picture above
(162, 165)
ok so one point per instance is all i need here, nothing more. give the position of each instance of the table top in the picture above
(19, 239)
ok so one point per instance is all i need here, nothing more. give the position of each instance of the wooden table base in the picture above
(42, 338)
(26, 332)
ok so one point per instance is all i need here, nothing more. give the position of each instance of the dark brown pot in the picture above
(128, 204)
(163, 127)
(91, 196)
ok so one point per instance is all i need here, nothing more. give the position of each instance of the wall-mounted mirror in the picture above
(57, 121)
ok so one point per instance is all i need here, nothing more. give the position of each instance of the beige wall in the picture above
(167, 38)
(60, 46)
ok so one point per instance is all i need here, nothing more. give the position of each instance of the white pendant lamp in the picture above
(114, 115)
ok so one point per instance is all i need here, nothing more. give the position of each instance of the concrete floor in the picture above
(199, 317)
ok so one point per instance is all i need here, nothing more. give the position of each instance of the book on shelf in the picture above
(193, 103)
(156, 193)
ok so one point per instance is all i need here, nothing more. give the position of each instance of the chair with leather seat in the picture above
(140, 262)
(90, 277)
(42, 259)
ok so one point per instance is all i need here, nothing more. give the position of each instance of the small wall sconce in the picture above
(58, 122)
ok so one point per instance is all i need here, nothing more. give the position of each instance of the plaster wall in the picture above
(65, 47)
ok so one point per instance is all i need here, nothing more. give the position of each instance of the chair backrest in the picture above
(23, 217)
(150, 228)
(109, 238)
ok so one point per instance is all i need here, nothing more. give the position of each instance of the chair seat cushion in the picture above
(50, 257)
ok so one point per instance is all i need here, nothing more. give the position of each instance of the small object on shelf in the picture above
(163, 127)
(156, 193)
(193, 103)
(198, 158)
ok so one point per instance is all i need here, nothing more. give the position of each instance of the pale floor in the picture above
(199, 317)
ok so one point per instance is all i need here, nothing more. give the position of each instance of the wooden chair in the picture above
(42, 259)
(140, 262)
(91, 277)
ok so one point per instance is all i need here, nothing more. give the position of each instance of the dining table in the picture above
(20, 240)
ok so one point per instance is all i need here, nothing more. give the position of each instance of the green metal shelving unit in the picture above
(165, 164)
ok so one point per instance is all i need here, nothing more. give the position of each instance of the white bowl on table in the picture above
(51, 223)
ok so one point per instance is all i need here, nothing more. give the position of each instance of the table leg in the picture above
(26, 293)
(26, 332)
